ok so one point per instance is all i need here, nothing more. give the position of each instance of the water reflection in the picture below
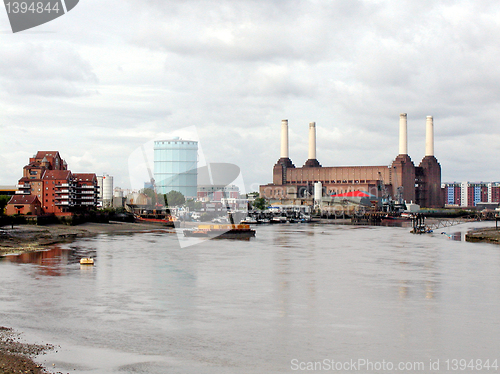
(307, 292)
(52, 262)
(457, 236)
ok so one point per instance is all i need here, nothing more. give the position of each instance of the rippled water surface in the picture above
(294, 294)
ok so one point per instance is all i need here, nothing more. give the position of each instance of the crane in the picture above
(152, 181)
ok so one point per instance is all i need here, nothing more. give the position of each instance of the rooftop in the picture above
(24, 199)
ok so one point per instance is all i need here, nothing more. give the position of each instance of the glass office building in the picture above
(175, 166)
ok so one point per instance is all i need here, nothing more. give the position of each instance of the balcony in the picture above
(23, 192)
(63, 191)
(23, 186)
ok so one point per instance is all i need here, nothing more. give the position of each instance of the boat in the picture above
(279, 219)
(87, 261)
(220, 220)
(421, 230)
(166, 221)
(249, 220)
(221, 232)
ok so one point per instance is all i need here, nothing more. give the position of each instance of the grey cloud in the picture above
(45, 69)
(236, 68)
(248, 30)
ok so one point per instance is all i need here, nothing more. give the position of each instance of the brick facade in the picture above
(56, 188)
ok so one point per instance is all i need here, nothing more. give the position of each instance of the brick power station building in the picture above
(48, 187)
(420, 184)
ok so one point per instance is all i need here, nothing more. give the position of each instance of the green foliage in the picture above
(208, 216)
(3, 202)
(174, 198)
(194, 205)
(260, 203)
(149, 192)
(108, 210)
(190, 203)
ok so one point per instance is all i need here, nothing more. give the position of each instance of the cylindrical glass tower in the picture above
(175, 166)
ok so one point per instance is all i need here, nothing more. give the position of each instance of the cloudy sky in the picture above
(110, 76)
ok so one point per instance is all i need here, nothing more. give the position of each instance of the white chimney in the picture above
(284, 138)
(403, 134)
(312, 140)
(429, 136)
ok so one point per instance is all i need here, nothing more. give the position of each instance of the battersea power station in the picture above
(399, 180)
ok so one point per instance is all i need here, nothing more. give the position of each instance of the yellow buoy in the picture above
(87, 261)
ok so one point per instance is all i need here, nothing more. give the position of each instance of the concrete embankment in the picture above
(486, 235)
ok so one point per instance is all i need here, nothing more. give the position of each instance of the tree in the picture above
(192, 204)
(174, 198)
(149, 192)
(260, 203)
(3, 202)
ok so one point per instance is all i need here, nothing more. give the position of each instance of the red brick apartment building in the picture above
(468, 194)
(57, 189)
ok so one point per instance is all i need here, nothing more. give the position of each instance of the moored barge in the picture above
(221, 232)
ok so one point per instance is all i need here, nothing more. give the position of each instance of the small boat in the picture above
(422, 230)
(249, 221)
(220, 220)
(221, 232)
(167, 221)
(87, 261)
(279, 219)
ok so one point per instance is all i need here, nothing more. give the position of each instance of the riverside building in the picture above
(57, 189)
(419, 184)
(469, 194)
(175, 166)
(105, 183)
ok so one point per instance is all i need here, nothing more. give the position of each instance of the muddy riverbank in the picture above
(16, 356)
(486, 235)
(30, 238)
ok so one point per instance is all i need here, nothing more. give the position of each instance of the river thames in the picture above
(295, 298)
